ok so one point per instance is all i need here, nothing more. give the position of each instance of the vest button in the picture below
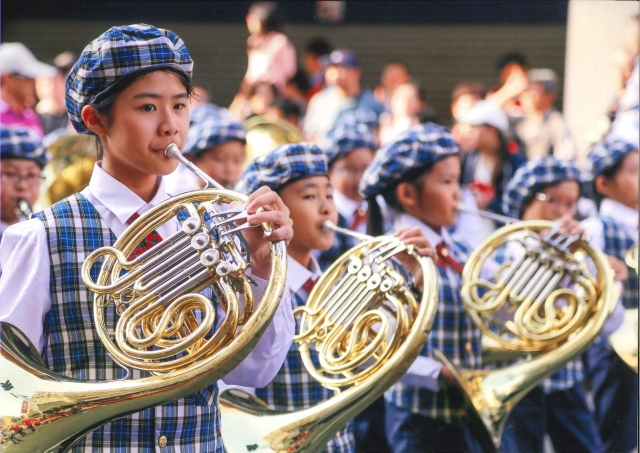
(162, 441)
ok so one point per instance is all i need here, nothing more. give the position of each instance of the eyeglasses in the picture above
(16, 178)
(544, 197)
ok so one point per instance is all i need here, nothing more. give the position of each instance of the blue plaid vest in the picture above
(72, 346)
(616, 243)
(293, 388)
(563, 379)
(454, 334)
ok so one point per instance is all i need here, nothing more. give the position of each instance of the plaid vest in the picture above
(454, 334)
(616, 243)
(293, 388)
(72, 347)
(563, 379)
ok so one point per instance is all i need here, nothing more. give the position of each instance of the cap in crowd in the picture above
(22, 143)
(15, 58)
(282, 166)
(214, 129)
(347, 138)
(484, 112)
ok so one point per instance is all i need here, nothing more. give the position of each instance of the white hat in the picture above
(15, 58)
(484, 112)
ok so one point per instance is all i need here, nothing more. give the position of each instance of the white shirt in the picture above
(24, 283)
(181, 180)
(347, 208)
(424, 371)
(470, 227)
(625, 216)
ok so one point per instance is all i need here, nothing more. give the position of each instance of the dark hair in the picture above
(301, 81)
(375, 224)
(287, 107)
(610, 173)
(512, 57)
(254, 88)
(396, 63)
(267, 13)
(318, 46)
(464, 88)
(104, 106)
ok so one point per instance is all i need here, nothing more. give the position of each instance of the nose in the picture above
(169, 125)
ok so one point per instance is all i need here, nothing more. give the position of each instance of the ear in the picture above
(602, 185)
(407, 196)
(94, 121)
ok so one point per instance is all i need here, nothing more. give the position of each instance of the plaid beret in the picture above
(533, 177)
(211, 131)
(605, 155)
(358, 116)
(412, 150)
(347, 138)
(22, 143)
(201, 112)
(119, 52)
(283, 165)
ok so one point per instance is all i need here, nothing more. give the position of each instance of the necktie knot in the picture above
(310, 283)
(133, 218)
(149, 241)
(445, 258)
(359, 217)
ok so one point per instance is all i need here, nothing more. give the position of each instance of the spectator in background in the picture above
(342, 97)
(393, 75)
(463, 97)
(489, 168)
(260, 97)
(50, 91)
(297, 90)
(405, 105)
(312, 63)
(543, 130)
(19, 69)
(512, 70)
(286, 110)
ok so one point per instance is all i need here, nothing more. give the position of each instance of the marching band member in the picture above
(300, 175)
(23, 158)
(130, 88)
(548, 188)
(418, 175)
(613, 171)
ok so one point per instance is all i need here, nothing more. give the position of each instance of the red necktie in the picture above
(445, 258)
(359, 217)
(152, 239)
(310, 283)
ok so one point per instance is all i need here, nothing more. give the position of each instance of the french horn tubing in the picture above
(367, 323)
(156, 300)
(624, 340)
(549, 302)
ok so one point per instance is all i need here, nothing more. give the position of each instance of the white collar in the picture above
(405, 221)
(346, 206)
(297, 274)
(616, 210)
(118, 198)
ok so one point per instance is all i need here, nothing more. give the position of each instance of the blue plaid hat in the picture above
(605, 155)
(411, 151)
(22, 143)
(211, 131)
(347, 138)
(115, 54)
(534, 177)
(283, 165)
(201, 112)
(358, 116)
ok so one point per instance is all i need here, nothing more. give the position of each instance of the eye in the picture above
(309, 196)
(148, 108)
(180, 106)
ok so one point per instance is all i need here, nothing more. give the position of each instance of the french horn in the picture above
(548, 302)
(624, 341)
(265, 135)
(368, 325)
(157, 297)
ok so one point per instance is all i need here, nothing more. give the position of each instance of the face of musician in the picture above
(145, 117)
(622, 185)
(223, 162)
(20, 181)
(310, 201)
(435, 197)
(553, 202)
(346, 172)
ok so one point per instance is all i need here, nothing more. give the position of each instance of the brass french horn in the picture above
(624, 341)
(548, 302)
(368, 325)
(264, 135)
(158, 330)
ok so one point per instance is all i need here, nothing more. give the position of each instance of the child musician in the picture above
(130, 88)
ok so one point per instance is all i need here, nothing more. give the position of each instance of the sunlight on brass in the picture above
(368, 325)
(156, 297)
(264, 135)
(548, 302)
